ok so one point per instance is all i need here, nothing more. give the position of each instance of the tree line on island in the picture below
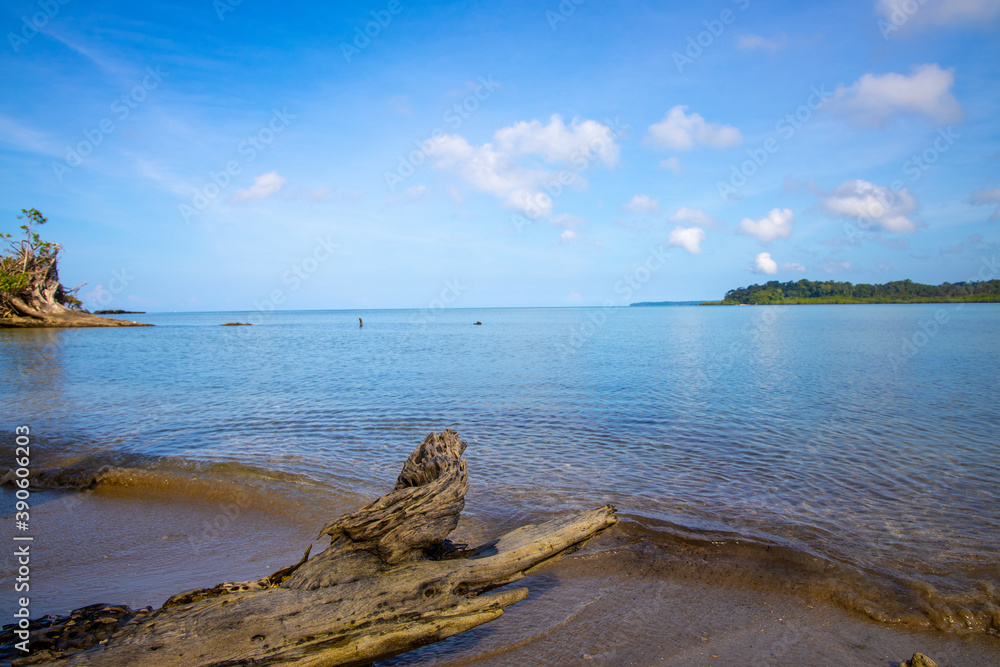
(830, 291)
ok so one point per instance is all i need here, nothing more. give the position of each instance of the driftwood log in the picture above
(388, 583)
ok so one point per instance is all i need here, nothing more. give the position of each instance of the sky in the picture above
(241, 155)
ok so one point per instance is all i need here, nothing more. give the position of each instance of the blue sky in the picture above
(238, 155)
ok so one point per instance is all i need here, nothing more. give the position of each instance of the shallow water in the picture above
(809, 445)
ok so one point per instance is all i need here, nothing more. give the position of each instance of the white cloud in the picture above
(681, 131)
(689, 238)
(672, 164)
(568, 236)
(942, 13)
(695, 216)
(794, 267)
(988, 197)
(763, 263)
(875, 99)
(493, 167)
(642, 204)
(873, 205)
(754, 42)
(775, 225)
(558, 143)
(263, 187)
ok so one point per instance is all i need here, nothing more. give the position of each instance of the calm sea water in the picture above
(865, 437)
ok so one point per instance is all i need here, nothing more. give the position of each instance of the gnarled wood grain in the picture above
(388, 583)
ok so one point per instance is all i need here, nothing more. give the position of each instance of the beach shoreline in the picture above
(617, 602)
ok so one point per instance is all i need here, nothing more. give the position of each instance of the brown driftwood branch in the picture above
(388, 583)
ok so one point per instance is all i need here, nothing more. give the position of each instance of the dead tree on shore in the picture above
(388, 583)
(30, 292)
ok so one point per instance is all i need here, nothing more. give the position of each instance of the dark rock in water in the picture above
(119, 312)
(918, 660)
(236, 324)
(478, 323)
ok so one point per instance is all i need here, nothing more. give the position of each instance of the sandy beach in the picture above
(619, 601)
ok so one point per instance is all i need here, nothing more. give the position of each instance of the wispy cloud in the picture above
(756, 42)
(875, 99)
(21, 137)
(873, 205)
(409, 195)
(643, 204)
(944, 13)
(695, 216)
(672, 164)
(264, 186)
(991, 197)
(683, 131)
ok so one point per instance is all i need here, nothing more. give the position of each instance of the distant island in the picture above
(119, 312)
(666, 303)
(829, 291)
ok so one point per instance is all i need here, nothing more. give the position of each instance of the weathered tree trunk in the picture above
(388, 583)
(40, 302)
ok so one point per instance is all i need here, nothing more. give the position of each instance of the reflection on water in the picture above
(793, 426)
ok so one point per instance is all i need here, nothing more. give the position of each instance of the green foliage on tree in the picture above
(28, 269)
(829, 291)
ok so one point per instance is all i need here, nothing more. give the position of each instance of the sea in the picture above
(841, 453)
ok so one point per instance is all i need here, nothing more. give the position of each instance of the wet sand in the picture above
(617, 602)
(615, 608)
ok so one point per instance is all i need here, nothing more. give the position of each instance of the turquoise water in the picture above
(867, 437)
